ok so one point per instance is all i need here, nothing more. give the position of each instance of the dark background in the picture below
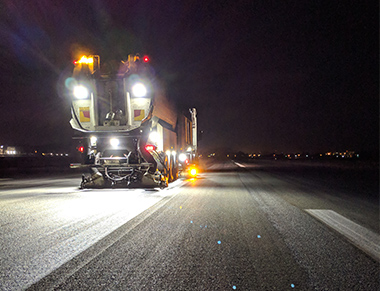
(264, 75)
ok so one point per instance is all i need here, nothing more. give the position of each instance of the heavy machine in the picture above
(130, 135)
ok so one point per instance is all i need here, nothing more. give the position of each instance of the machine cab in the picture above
(117, 96)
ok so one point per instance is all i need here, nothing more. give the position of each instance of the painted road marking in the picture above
(363, 238)
(240, 165)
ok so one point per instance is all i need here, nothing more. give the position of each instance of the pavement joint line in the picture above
(363, 238)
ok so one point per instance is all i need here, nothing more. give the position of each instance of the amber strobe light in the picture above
(193, 171)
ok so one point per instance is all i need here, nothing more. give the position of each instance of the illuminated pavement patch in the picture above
(44, 227)
(363, 238)
(254, 240)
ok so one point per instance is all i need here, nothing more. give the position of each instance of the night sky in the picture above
(264, 75)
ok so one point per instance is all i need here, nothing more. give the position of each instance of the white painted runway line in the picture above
(363, 238)
(240, 165)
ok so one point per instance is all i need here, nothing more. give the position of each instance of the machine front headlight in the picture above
(93, 140)
(139, 90)
(114, 142)
(80, 92)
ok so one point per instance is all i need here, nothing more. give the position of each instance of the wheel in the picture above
(164, 184)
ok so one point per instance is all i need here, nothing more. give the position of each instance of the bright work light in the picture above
(93, 140)
(139, 90)
(80, 92)
(154, 136)
(114, 142)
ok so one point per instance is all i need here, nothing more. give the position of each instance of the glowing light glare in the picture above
(189, 149)
(154, 136)
(81, 149)
(93, 140)
(182, 157)
(99, 202)
(84, 60)
(150, 147)
(70, 83)
(146, 59)
(193, 172)
(80, 92)
(168, 153)
(139, 90)
(114, 142)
